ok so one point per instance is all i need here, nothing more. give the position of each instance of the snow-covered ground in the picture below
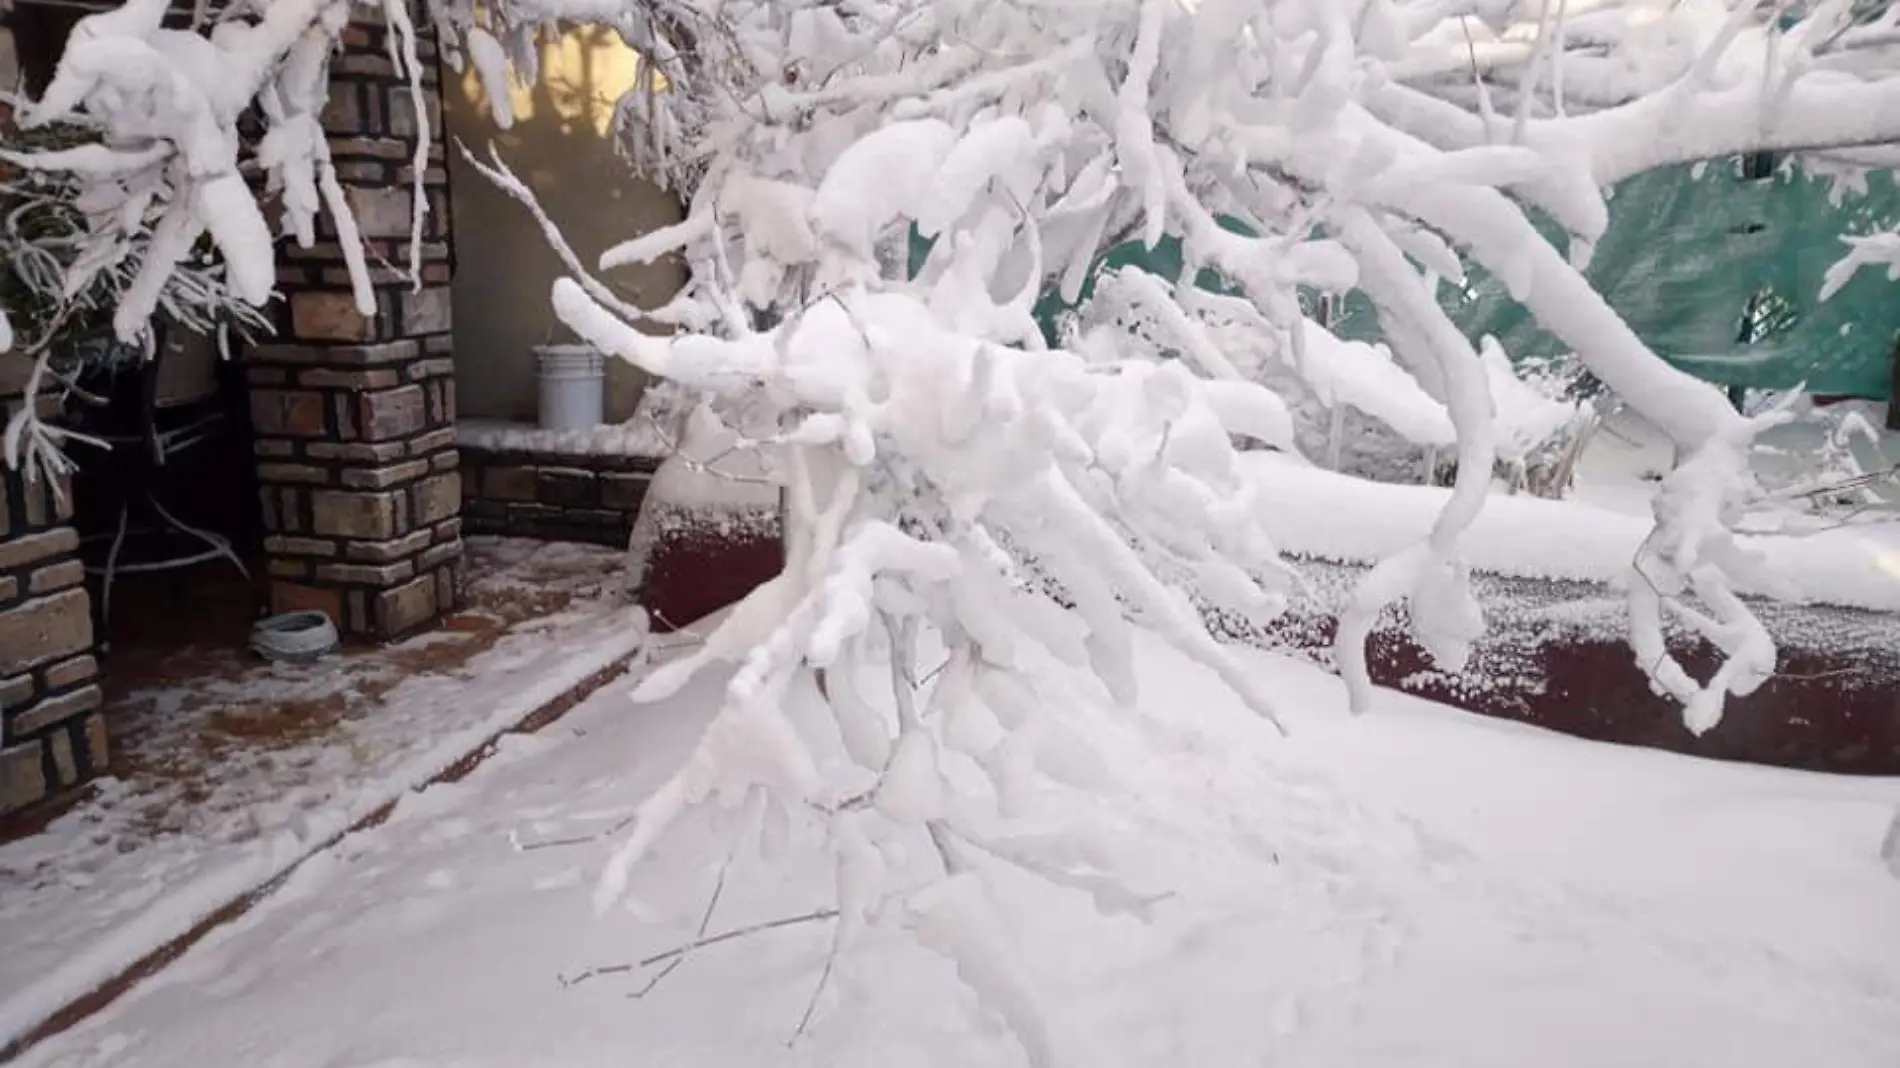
(1412, 888)
(1593, 535)
(144, 859)
(1623, 461)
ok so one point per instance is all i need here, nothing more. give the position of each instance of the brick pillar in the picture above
(355, 416)
(54, 736)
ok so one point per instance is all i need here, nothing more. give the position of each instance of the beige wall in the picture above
(561, 147)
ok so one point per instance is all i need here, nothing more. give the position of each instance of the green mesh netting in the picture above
(1721, 275)
(1719, 269)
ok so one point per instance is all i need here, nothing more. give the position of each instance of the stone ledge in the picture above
(554, 496)
(482, 456)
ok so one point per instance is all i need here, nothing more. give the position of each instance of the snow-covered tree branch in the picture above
(169, 170)
(882, 194)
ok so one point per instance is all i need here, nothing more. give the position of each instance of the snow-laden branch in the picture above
(943, 466)
(917, 408)
(885, 197)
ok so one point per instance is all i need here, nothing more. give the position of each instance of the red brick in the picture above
(436, 498)
(48, 628)
(509, 484)
(283, 546)
(394, 413)
(18, 552)
(402, 113)
(60, 744)
(22, 776)
(381, 212)
(287, 567)
(98, 748)
(372, 147)
(382, 552)
(285, 413)
(338, 355)
(447, 588)
(331, 378)
(56, 577)
(366, 574)
(55, 710)
(433, 440)
(406, 607)
(16, 691)
(330, 316)
(357, 452)
(343, 111)
(380, 477)
(368, 516)
(438, 555)
(623, 492)
(428, 312)
(296, 597)
(289, 511)
(436, 367)
(72, 672)
(303, 474)
(318, 252)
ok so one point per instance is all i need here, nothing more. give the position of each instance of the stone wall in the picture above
(52, 735)
(355, 414)
(554, 496)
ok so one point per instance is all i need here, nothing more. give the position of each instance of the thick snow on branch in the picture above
(884, 199)
(170, 171)
(884, 195)
(168, 102)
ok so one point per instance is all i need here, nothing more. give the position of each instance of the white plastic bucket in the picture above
(573, 386)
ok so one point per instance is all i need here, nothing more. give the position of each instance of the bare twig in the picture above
(702, 942)
(824, 976)
(815, 916)
(593, 973)
(705, 919)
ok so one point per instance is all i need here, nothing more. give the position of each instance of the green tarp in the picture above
(1721, 275)
(1719, 271)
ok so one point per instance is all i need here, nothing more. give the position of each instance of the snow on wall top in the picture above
(637, 437)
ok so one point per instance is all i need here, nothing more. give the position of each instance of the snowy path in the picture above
(96, 892)
(1414, 888)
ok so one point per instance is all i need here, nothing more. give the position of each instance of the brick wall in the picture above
(354, 414)
(555, 496)
(53, 735)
